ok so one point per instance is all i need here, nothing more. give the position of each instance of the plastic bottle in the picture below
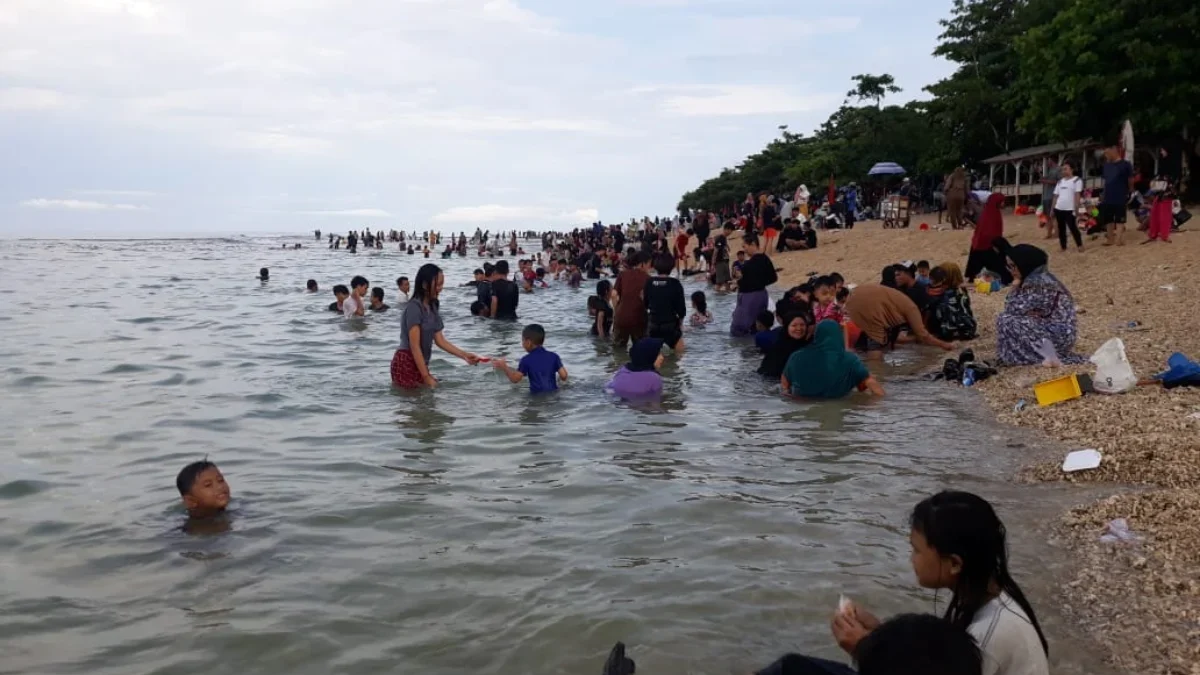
(968, 377)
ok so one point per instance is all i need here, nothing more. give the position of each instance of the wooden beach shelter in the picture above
(1021, 170)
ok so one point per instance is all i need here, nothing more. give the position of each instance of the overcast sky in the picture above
(190, 116)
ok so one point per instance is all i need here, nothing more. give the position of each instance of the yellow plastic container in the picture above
(982, 286)
(1057, 390)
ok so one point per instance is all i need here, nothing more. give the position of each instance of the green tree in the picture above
(872, 88)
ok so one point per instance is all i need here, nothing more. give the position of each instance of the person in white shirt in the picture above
(958, 543)
(1068, 194)
(354, 305)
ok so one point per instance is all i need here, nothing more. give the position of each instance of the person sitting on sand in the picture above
(377, 304)
(825, 369)
(951, 317)
(793, 336)
(203, 489)
(958, 543)
(882, 313)
(1039, 308)
(639, 378)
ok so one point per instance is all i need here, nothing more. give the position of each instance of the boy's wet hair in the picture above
(312, 284)
(663, 263)
(488, 269)
(478, 271)
(377, 292)
(918, 643)
(264, 273)
(359, 281)
(502, 267)
(341, 289)
(477, 308)
(401, 280)
(190, 473)
(535, 334)
(766, 318)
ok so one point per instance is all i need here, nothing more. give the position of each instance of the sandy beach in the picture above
(1142, 599)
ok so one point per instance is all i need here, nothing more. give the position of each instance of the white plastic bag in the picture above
(1114, 375)
(1049, 354)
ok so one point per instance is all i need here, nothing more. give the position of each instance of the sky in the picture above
(180, 117)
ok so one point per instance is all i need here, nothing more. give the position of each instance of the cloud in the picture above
(31, 99)
(117, 193)
(79, 205)
(348, 213)
(735, 100)
(496, 213)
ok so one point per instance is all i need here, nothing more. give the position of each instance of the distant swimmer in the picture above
(341, 293)
(264, 274)
(312, 286)
(479, 278)
(377, 304)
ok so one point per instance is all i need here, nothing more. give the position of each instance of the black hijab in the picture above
(777, 356)
(643, 354)
(1027, 258)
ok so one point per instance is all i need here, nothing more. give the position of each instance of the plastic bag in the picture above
(1049, 354)
(1114, 375)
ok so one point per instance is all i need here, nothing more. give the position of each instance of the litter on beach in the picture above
(1057, 390)
(1168, 287)
(1081, 460)
(1117, 531)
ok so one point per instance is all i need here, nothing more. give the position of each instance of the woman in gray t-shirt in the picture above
(421, 327)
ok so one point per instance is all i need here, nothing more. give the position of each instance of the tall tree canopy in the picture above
(1028, 71)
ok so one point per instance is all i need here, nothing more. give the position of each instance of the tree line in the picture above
(1028, 72)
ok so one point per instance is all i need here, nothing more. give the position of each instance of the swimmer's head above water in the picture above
(264, 274)
(203, 489)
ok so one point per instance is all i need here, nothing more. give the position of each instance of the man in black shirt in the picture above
(483, 290)
(665, 305)
(505, 294)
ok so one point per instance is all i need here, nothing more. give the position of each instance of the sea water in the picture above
(469, 529)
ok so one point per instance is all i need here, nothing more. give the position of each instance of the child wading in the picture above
(540, 365)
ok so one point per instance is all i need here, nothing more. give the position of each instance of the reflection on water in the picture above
(474, 528)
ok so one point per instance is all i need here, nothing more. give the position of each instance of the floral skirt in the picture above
(404, 370)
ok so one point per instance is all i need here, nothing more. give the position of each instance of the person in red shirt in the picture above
(681, 244)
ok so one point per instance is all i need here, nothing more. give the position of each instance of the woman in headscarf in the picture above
(639, 378)
(801, 199)
(1038, 308)
(794, 336)
(956, 196)
(825, 369)
(987, 230)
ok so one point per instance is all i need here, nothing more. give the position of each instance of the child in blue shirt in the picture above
(543, 368)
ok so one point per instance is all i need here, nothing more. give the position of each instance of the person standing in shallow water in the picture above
(421, 328)
(752, 299)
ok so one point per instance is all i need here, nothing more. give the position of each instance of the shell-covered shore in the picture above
(1142, 599)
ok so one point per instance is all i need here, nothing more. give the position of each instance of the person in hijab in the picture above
(987, 230)
(825, 369)
(639, 378)
(1039, 308)
(795, 335)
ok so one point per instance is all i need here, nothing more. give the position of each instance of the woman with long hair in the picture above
(420, 328)
(960, 544)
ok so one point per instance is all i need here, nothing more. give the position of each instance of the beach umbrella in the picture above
(1127, 142)
(886, 169)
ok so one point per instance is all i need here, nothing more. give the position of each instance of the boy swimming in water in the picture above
(203, 489)
(341, 293)
(312, 286)
(540, 365)
(377, 304)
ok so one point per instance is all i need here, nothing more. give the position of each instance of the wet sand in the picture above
(1140, 600)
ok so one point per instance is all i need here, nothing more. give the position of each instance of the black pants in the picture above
(798, 664)
(1067, 219)
(992, 262)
